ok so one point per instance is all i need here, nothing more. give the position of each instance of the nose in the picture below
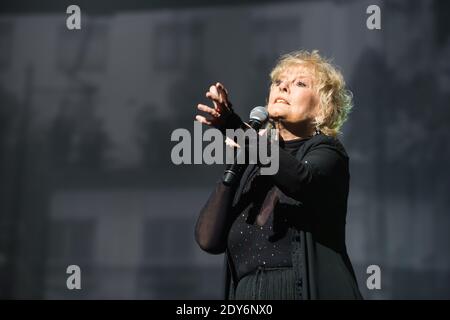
(283, 86)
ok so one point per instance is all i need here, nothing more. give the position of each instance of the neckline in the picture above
(293, 141)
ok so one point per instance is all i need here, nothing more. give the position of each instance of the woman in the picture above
(284, 235)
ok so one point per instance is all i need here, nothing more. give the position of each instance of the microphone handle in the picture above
(233, 175)
(234, 172)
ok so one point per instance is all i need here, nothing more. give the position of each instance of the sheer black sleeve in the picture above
(218, 214)
(215, 219)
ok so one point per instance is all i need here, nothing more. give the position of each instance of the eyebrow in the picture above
(301, 75)
(296, 77)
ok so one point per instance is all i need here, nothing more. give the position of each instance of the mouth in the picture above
(281, 100)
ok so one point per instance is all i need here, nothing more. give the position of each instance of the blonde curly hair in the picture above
(335, 100)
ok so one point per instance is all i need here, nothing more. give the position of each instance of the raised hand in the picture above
(219, 115)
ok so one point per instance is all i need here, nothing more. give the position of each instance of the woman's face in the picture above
(292, 98)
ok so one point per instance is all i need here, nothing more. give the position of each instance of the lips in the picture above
(281, 100)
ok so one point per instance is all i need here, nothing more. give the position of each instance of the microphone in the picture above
(232, 175)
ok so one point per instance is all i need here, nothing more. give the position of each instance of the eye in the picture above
(301, 84)
(276, 82)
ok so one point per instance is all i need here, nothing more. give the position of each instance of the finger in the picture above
(262, 132)
(213, 93)
(213, 90)
(218, 99)
(222, 95)
(222, 87)
(203, 120)
(209, 110)
(212, 96)
(230, 142)
(215, 100)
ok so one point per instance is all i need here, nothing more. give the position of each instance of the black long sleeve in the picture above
(215, 220)
(217, 215)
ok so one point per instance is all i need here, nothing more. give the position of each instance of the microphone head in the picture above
(259, 114)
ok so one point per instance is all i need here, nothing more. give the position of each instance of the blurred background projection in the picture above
(86, 117)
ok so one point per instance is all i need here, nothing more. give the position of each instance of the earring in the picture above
(317, 131)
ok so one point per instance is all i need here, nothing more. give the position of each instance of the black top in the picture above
(314, 187)
(225, 205)
(254, 243)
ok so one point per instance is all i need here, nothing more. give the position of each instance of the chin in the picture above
(275, 113)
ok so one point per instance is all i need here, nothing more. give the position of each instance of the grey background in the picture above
(86, 117)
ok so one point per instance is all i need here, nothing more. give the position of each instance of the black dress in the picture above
(301, 210)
